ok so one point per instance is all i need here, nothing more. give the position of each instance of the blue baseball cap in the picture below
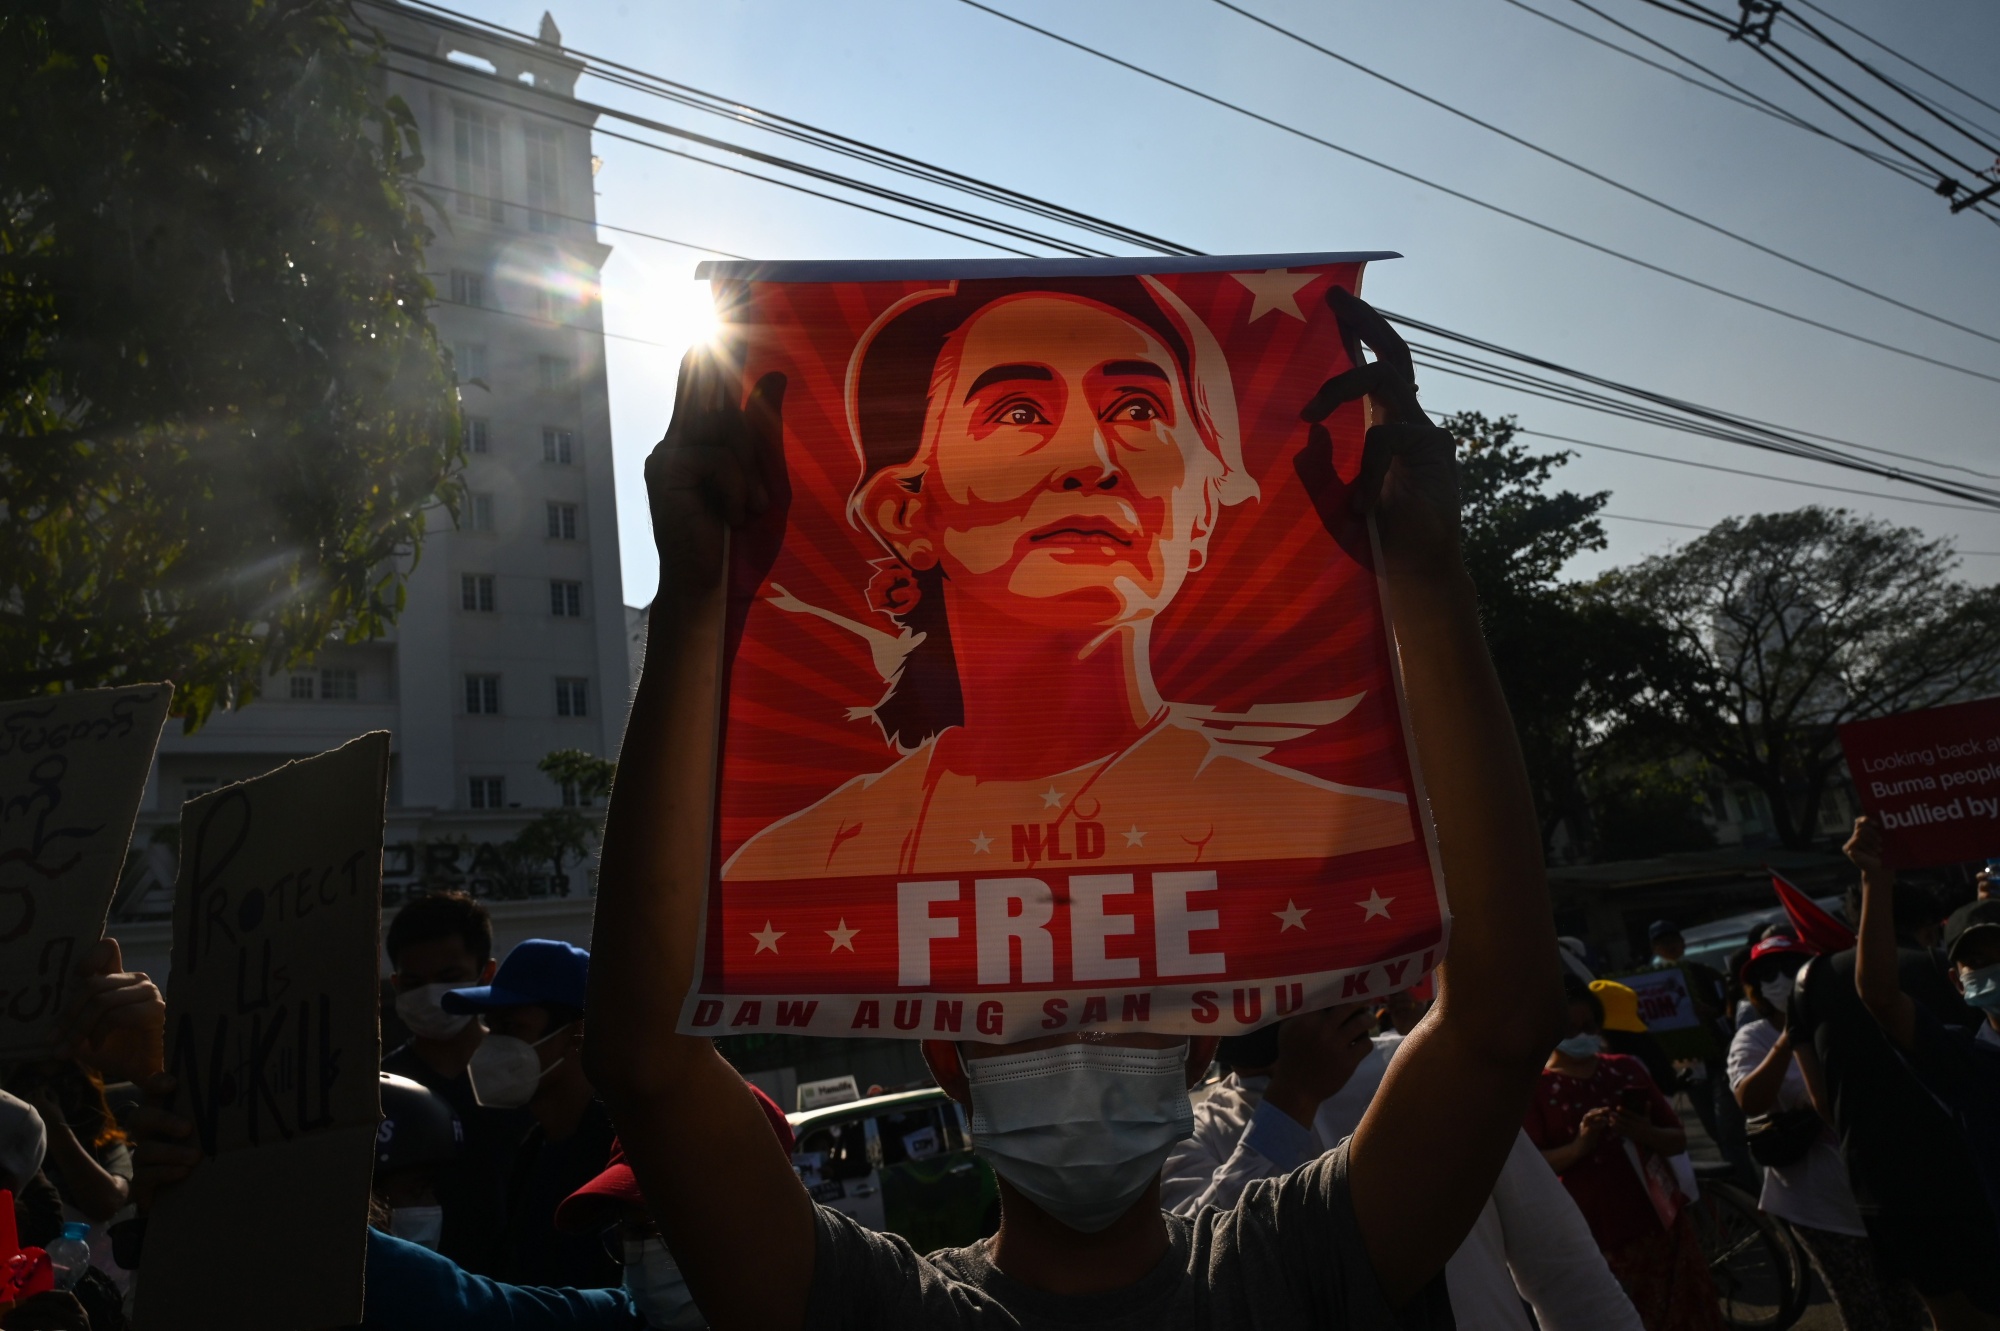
(540, 971)
(1662, 929)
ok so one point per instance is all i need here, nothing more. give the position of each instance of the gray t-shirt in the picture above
(1288, 1257)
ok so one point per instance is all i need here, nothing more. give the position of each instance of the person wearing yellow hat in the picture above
(1625, 1032)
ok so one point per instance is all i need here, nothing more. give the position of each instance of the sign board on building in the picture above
(1932, 780)
(73, 769)
(273, 1035)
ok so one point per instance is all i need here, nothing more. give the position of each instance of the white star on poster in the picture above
(768, 940)
(1274, 289)
(842, 936)
(1134, 837)
(982, 844)
(1292, 915)
(1051, 797)
(1377, 905)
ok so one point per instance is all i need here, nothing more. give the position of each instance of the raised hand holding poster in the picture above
(73, 769)
(1058, 687)
(273, 1037)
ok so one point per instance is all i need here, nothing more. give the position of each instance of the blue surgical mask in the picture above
(1081, 1130)
(657, 1288)
(1587, 1045)
(1982, 987)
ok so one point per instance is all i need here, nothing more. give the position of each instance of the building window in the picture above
(558, 445)
(467, 288)
(469, 359)
(482, 695)
(302, 688)
(544, 159)
(489, 792)
(566, 599)
(476, 591)
(479, 513)
(572, 697)
(554, 372)
(562, 522)
(476, 148)
(475, 434)
(571, 799)
(339, 686)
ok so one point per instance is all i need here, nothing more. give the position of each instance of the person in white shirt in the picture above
(1530, 1245)
(1811, 1193)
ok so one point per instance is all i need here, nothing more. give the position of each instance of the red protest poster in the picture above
(1050, 700)
(1932, 779)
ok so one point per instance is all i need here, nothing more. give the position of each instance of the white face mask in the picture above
(1081, 1129)
(1777, 992)
(658, 1289)
(419, 1008)
(505, 1069)
(419, 1224)
(1587, 1045)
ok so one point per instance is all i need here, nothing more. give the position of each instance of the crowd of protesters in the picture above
(553, 1153)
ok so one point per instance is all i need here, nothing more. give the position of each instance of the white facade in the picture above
(514, 639)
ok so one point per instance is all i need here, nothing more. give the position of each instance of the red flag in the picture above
(1817, 930)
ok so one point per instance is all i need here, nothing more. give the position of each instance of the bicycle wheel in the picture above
(1759, 1273)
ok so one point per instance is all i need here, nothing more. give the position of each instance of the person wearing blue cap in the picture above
(1708, 1089)
(532, 1056)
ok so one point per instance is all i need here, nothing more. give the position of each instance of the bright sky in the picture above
(942, 81)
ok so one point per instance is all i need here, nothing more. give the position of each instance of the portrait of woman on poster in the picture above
(1044, 465)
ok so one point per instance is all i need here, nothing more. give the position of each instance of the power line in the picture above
(1921, 69)
(769, 159)
(1745, 429)
(1599, 176)
(1479, 202)
(1651, 522)
(1770, 51)
(1754, 475)
(557, 323)
(1913, 169)
(570, 217)
(744, 114)
(1653, 408)
(1696, 526)
(1731, 90)
(1937, 113)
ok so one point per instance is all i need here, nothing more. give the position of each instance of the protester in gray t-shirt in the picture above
(1077, 1126)
(1288, 1256)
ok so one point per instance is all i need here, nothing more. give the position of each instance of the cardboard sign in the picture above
(1664, 1001)
(1666, 1005)
(273, 1032)
(73, 769)
(1055, 697)
(1932, 779)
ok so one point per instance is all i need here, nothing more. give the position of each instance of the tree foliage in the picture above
(1569, 663)
(223, 405)
(560, 837)
(1780, 627)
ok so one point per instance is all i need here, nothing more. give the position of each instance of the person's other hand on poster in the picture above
(115, 1020)
(1425, 1157)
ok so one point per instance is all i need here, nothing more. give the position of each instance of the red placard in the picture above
(1932, 779)
(1050, 699)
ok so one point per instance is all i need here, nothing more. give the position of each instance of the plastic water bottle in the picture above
(70, 1254)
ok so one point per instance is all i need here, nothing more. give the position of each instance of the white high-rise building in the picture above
(513, 642)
